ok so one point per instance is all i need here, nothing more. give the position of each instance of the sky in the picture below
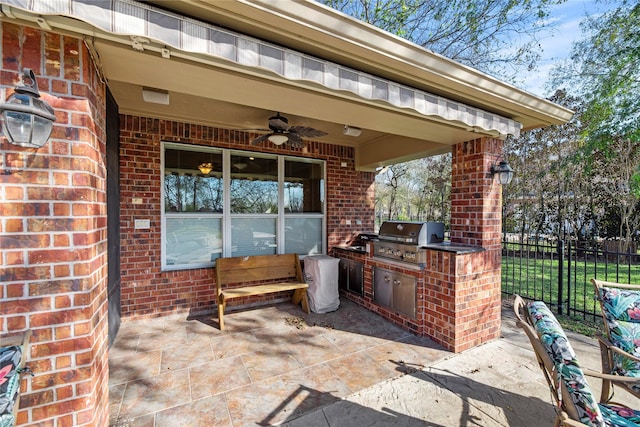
(557, 45)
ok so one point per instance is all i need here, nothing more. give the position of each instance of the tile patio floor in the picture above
(266, 368)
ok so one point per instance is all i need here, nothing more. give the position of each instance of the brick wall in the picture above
(53, 234)
(146, 289)
(476, 219)
(458, 295)
(476, 197)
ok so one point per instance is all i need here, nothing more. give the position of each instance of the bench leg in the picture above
(221, 305)
(300, 297)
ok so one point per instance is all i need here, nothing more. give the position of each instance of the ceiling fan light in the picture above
(240, 165)
(278, 138)
(205, 168)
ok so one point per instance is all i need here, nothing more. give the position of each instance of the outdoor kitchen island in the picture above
(430, 288)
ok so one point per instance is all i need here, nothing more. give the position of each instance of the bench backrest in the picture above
(258, 268)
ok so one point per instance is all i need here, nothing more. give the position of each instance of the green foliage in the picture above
(605, 71)
(609, 64)
(495, 36)
(552, 192)
(416, 191)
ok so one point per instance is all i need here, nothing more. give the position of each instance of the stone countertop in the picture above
(442, 246)
(454, 248)
(356, 249)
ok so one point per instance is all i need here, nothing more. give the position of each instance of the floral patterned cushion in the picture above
(619, 416)
(9, 383)
(569, 371)
(621, 309)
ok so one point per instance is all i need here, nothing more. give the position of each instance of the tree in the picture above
(494, 36)
(552, 190)
(615, 179)
(604, 69)
(418, 190)
(393, 179)
(431, 188)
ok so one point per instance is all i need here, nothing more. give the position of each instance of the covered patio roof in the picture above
(234, 64)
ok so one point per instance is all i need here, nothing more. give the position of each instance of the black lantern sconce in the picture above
(504, 172)
(27, 120)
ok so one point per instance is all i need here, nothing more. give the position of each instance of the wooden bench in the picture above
(283, 272)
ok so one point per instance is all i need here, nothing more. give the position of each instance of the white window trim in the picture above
(226, 216)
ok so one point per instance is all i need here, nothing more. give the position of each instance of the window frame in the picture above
(226, 217)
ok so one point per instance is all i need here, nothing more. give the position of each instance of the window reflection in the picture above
(193, 240)
(303, 187)
(254, 184)
(253, 236)
(303, 235)
(263, 209)
(186, 188)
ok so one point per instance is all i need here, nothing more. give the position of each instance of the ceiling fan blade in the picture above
(276, 123)
(295, 140)
(261, 138)
(254, 130)
(306, 132)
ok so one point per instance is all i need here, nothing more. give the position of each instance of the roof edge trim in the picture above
(140, 21)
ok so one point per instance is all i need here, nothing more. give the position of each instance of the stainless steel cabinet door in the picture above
(383, 287)
(404, 295)
(356, 277)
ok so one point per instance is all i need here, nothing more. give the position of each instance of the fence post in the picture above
(560, 273)
(569, 262)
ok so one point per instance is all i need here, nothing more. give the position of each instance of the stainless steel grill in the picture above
(405, 241)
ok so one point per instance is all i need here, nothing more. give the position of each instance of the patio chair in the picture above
(575, 403)
(620, 349)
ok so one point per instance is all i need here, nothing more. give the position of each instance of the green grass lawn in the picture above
(537, 278)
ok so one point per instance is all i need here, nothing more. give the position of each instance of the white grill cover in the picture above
(321, 274)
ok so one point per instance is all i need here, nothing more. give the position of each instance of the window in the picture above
(303, 206)
(232, 203)
(193, 206)
(254, 204)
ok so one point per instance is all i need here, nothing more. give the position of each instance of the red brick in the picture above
(14, 193)
(14, 225)
(61, 271)
(64, 392)
(15, 257)
(16, 323)
(63, 362)
(63, 332)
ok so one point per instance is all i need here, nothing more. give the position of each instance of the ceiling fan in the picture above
(282, 133)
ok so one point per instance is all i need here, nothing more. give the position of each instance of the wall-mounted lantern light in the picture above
(504, 172)
(27, 120)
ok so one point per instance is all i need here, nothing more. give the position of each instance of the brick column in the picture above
(476, 219)
(53, 274)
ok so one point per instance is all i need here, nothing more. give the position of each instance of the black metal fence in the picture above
(560, 272)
